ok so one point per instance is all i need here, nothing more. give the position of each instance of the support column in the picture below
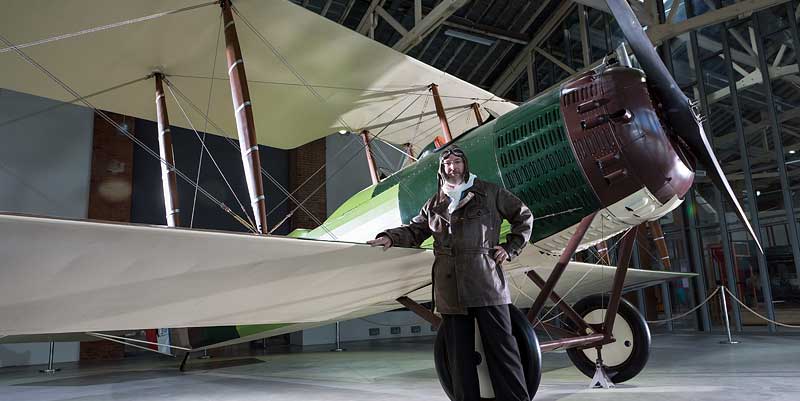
(373, 168)
(780, 153)
(169, 181)
(718, 200)
(245, 126)
(437, 101)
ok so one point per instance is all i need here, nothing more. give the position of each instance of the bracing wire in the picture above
(280, 187)
(286, 62)
(62, 104)
(105, 27)
(414, 90)
(213, 159)
(205, 127)
(121, 129)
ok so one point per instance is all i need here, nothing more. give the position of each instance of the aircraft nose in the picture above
(618, 138)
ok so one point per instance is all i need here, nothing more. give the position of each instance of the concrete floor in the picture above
(682, 367)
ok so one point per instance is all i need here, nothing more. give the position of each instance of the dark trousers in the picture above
(500, 350)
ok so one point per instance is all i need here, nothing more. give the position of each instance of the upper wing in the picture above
(62, 276)
(355, 82)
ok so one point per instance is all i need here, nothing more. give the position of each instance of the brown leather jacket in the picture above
(464, 272)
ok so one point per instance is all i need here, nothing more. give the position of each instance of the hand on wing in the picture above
(500, 254)
(383, 241)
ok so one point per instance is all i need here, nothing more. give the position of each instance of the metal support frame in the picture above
(50, 369)
(563, 261)
(437, 101)
(724, 306)
(507, 79)
(428, 24)
(169, 181)
(586, 49)
(623, 261)
(245, 124)
(697, 259)
(373, 168)
(752, 202)
(788, 204)
(692, 242)
(338, 340)
(663, 31)
(718, 202)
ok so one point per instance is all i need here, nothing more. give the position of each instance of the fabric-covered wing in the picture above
(65, 276)
(62, 276)
(357, 82)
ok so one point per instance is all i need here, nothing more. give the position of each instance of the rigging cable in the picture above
(11, 47)
(414, 90)
(213, 160)
(233, 143)
(123, 130)
(61, 104)
(286, 63)
(205, 128)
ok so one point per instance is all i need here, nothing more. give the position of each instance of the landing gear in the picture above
(530, 354)
(623, 359)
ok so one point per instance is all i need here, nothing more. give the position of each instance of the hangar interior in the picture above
(739, 61)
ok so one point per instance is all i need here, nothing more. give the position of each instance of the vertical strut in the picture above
(476, 108)
(624, 259)
(169, 183)
(563, 261)
(373, 168)
(437, 101)
(245, 126)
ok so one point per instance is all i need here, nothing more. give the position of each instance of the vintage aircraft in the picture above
(610, 149)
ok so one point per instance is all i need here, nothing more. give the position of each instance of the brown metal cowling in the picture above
(619, 139)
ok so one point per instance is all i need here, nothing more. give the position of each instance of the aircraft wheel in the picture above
(624, 358)
(530, 354)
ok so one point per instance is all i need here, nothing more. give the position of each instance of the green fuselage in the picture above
(526, 151)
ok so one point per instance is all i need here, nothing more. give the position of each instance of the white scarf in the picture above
(454, 193)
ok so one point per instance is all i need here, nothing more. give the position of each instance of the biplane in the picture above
(605, 152)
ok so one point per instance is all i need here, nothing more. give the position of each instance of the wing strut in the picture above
(373, 168)
(437, 101)
(245, 125)
(168, 176)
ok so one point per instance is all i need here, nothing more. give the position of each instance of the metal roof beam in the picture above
(366, 20)
(554, 60)
(659, 32)
(520, 63)
(393, 22)
(431, 21)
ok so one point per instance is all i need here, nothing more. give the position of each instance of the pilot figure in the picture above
(464, 217)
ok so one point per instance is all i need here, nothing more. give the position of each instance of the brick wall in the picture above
(109, 199)
(112, 171)
(101, 351)
(303, 162)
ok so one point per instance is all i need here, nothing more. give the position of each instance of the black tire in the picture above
(628, 356)
(530, 354)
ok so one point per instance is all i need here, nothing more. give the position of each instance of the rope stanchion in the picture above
(760, 315)
(688, 312)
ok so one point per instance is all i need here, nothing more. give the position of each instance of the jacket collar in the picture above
(477, 188)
